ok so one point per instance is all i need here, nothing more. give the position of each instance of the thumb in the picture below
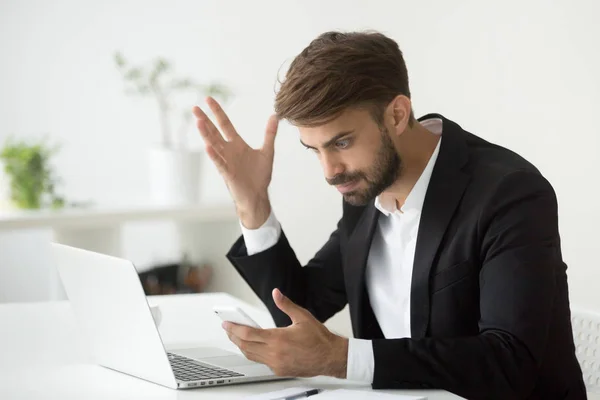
(294, 311)
(270, 133)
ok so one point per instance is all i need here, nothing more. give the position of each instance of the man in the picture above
(448, 251)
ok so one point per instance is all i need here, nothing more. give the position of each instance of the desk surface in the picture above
(44, 357)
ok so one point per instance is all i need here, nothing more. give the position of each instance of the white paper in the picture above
(280, 393)
(347, 394)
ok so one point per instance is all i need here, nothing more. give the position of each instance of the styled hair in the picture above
(342, 70)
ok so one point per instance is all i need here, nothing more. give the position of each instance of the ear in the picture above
(398, 113)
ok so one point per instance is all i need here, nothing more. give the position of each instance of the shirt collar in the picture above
(416, 197)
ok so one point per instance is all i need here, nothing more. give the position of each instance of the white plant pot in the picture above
(174, 176)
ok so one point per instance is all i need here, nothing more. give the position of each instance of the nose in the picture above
(331, 165)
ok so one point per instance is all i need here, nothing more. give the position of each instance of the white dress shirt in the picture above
(389, 265)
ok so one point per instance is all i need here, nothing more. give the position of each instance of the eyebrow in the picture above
(331, 141)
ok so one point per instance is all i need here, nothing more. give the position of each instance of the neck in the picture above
(415, 146)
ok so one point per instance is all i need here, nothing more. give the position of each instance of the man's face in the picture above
(357, 156)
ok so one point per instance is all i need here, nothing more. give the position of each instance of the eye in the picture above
(342, 144)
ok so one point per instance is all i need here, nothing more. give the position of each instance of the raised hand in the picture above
(247, 172)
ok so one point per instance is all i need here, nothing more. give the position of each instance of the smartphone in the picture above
(236, 315)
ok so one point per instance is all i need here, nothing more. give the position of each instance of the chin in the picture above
(357, 199)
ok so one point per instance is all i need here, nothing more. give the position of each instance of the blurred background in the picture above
(522, 74)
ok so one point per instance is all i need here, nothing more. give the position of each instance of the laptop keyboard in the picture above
(186, 369)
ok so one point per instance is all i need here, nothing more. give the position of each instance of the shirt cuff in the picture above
(361, 361)
(262, 238)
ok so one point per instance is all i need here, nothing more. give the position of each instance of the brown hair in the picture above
(341, 70)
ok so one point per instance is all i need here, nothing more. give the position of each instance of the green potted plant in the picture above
(31, 179)
(174, 169)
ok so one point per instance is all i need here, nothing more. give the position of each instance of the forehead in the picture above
(352, 119)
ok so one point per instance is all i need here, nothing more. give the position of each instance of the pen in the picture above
(302, 395)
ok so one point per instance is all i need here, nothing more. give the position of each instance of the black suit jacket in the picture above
(490, 314)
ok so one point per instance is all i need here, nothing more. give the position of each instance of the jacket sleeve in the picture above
(318, 286)
(520, 253)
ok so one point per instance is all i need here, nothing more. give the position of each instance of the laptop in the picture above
(110, 305)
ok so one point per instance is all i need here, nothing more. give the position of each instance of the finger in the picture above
(248, 333)
(217, 159)
(270, 133)
(222, 119)
(294, 311)
(252, 350)
(209, 136)
(198, 113)
(212, 129)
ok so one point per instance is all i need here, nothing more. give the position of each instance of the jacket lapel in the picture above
(361, 314)
(443, 195)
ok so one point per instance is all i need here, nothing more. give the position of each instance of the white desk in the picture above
(43, 357)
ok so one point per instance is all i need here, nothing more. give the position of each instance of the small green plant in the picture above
(157, 80)
(32, 180)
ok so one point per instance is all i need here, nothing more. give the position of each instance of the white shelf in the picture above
(101, 217)
(204, 231)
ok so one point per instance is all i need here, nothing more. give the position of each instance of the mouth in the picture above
(347, 187)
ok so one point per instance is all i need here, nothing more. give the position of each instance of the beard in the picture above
(379, 177)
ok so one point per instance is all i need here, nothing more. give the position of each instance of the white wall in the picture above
(523, 74)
